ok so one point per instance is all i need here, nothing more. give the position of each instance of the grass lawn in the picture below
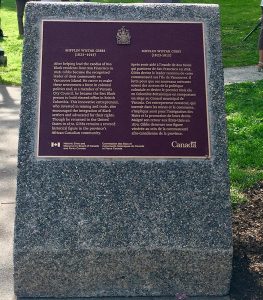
(245, 136)
(12, 45)
(237, 20)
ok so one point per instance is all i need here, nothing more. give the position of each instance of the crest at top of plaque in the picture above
(123, 36)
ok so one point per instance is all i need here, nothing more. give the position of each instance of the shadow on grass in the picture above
(6, 82)
(9, 5)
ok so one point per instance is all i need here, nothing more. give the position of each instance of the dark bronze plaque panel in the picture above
(123, 89)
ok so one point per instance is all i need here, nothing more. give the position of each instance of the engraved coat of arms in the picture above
(123, 36)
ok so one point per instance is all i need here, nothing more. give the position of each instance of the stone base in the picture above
(126, 272)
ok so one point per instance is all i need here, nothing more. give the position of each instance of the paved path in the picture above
(9, 121)
(237, 75)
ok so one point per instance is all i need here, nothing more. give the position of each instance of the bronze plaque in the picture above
(123, 89)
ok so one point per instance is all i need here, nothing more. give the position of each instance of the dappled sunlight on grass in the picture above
(237, 196)
(245, 134)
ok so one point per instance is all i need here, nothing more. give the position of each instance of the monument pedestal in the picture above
(123, 185)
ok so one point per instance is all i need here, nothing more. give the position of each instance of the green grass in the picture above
(245, 136)
(12, 45)
(237, 20)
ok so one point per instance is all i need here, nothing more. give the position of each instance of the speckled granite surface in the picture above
(90, 228)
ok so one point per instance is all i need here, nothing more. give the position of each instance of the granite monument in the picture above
(123, 186)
